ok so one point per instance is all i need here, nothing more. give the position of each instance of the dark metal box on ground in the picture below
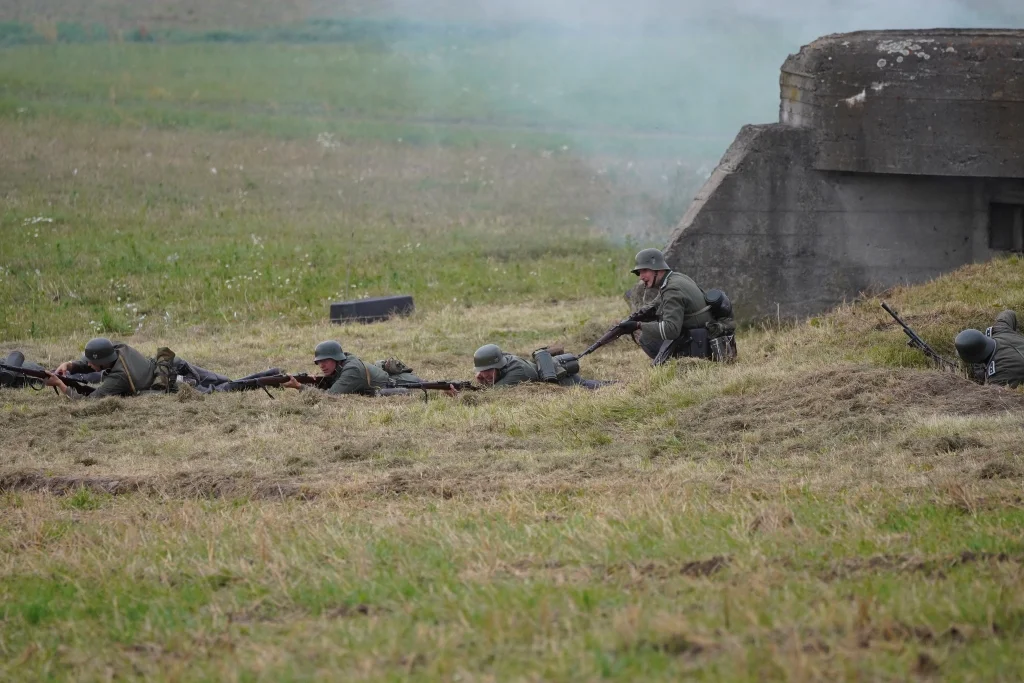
(372, 309)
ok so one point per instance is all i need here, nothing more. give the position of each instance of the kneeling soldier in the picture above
(1000, 350)
(494, 368)
(344, 373)
(689, 321)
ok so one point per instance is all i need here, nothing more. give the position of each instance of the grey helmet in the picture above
(488, 357)
(974, 347)
(651, 259)
(100, 351)
(328, 350)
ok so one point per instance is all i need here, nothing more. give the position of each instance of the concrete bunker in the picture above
(898, 156)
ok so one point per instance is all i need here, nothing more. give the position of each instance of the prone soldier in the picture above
(346, 373)
(124, 371)
(495, 368)
(1000, 350)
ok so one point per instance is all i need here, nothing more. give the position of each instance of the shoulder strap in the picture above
(128, 373)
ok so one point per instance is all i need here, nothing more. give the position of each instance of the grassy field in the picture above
(827, 507)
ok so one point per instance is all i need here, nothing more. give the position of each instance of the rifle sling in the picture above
(127, 373)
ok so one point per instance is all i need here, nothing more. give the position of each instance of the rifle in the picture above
(642, 314)
(41, 375)
(275, 380)
(440, 385)
(916, 342)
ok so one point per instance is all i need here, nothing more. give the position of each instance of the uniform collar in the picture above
(664, 281)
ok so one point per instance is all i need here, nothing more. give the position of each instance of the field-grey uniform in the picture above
(132, 373)
(680, 306)
(1007, 364)
(355, 376)
(514, 370)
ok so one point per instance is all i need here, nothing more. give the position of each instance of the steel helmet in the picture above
(651, 259)
(100, 351)
(328, 350)
(488, 357)
(974, 347)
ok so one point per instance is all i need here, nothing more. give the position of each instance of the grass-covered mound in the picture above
(824, 507)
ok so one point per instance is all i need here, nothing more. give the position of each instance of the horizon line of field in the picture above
(369, 30)
(413, 131)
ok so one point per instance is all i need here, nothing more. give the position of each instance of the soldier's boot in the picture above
(9, 379)
(586, 383)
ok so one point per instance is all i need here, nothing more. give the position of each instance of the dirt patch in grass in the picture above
(848, 401)
(905, 564)
(182, 485)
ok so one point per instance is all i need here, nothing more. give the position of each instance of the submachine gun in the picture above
(915, 342)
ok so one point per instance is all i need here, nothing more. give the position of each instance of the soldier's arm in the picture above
(1005, 322)
(516, 374)
(73, 367)
(352, 380)
(112, 385)
(673, 311)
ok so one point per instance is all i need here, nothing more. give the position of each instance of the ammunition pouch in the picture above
(695, 343)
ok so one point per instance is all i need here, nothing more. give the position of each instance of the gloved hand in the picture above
(629, 326)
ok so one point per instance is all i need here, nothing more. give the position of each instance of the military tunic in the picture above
(355, 376)
(131, 373)
(516, 371)
(680, 306)
(1007, 364)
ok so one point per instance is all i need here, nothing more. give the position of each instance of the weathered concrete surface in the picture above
(800, 215)
(939, 102)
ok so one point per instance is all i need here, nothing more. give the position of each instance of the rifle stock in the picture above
(79, 386)
(915, 342)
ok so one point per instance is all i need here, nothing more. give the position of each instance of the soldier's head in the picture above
(100, 353)
(974, 347)
(327, 355)
(650, 267)
(487, 364)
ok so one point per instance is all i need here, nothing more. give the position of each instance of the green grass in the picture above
(604, 95)
(828, 507)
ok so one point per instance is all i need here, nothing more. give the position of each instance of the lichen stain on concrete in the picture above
(904, 47)
(882, 63)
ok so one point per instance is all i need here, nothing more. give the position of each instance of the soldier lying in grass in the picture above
(345, 373)
(1000, 350)
(126, 372)
(494, 368)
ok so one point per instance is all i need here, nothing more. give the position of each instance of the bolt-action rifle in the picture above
(319, 381)
(643, 314)
(41, 375)
(915, 342)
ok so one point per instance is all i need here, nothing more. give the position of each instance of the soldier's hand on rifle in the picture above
(292, 383)
(54, 381)
(63, 368)
(452, 390)
(629, 326)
